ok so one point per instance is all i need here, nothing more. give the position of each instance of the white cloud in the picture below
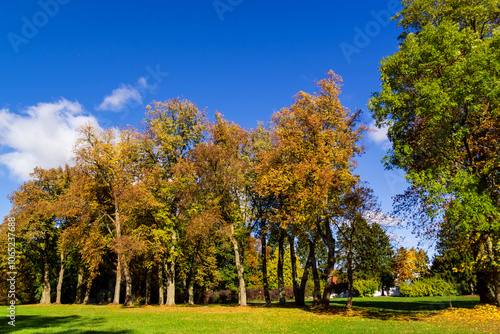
(122, 96)
(382, 219)
(41, 136)
(143, 83)
(379, 136)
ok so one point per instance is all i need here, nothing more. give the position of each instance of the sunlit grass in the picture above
(369, 315)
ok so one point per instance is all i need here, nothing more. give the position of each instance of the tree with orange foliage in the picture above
(410, 264)
(310, 163)
(110, 162)
(34, 206)
(220, 168)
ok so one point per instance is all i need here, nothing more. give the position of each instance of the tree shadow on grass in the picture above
(381, 308)
(401, 304)
(66, 324)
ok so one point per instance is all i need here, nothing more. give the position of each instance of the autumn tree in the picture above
(310, 163)
(220, 167)
(173, 128)
(34, 206)
(441, 105)
(410, 264)
(110, 161)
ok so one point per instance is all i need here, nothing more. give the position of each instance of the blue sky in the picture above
(70, 62)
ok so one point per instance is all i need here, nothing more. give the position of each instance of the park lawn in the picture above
(369, 315)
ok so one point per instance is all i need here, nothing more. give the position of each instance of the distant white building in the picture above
(394, 291)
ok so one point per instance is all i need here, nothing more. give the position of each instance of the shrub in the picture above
(427, 287)
(365, 288)
(275, 294)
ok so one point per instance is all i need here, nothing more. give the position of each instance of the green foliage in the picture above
(427, 287)
(441, 103)
(272, 267)
(365, 288)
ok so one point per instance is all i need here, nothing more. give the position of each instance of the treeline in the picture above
(188, 206)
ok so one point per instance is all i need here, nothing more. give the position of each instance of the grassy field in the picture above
(370, 315)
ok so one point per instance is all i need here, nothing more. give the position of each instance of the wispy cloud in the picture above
(43, 135)
(122, 96)
(379, 136)
(382, 219)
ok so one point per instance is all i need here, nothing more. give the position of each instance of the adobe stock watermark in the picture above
(31, 26)
(372, 29)
(395, 179)
(223, 6)
(11, 273)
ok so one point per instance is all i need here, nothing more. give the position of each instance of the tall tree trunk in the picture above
(119, 253)
(240, 270)
(293, 258)
(161, 292)
(46, 274)
(190, 288)
(128, 283)
(281, 280)
(87, 291)
(79, 285)
(488, 276)
(170, 273)
(118, 283)
(350, 281)
(265, 282)
(61, 277)
(327, 236)
(147, 299)
(317, 286)
(300, 299)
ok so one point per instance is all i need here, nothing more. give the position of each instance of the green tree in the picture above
(441, 103)
(372, 253)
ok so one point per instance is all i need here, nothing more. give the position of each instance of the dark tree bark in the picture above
(161, 292)
(300, 301)
(327, 236)
(281, 280)
(317, 286)
(350, 286)
(190, 284)
(61, 277)
(265, 282)
(488, 277)
(148, 286)
(87, 291)
(79, 285)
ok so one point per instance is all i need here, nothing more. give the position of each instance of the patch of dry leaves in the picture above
(480, 319)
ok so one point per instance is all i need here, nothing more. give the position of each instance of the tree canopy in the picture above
(440, 100)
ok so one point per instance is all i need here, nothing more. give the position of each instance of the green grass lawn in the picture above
(370, 315)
